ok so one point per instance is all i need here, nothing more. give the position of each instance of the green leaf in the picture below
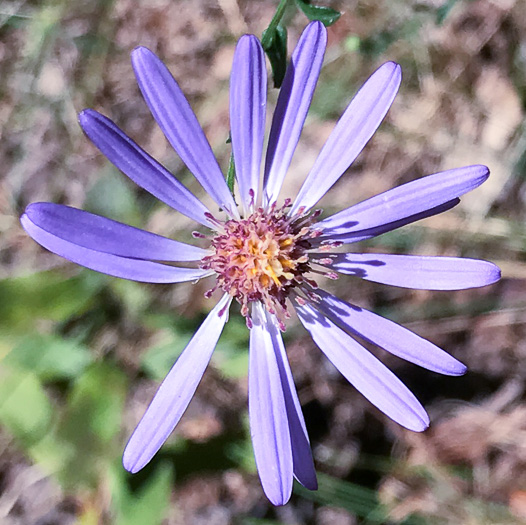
(150, 503)
(276, 50)
(231, 174)
(158, 359)
(133, 296)
(231, 353)
(52, 455)
(241, 451)
(90, 425)
(354, 498)
(44, 295)
(361, 501)
(25, 409)
(49, 357)
(112, 197)
(99, 396)
(325, 15)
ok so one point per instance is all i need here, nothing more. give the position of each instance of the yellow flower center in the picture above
(261, 258)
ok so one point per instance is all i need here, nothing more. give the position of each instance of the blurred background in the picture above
(81, 354)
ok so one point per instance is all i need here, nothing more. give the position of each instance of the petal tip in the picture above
(490, 274)
(89, 117)
(130, 460)
(24, 218)
(458, 370)
(484, 172)
(30, 209)
(249, 44)
(311, 483)
(85, 116)
(394, 67)
(278, 499)
(317, 26)
(317, 32)
(495, 274)
(394, 72)
(247, 38)
(140, 50)
(142, 55)
(419, 426)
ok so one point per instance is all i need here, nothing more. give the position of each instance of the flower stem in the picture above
(268, 35)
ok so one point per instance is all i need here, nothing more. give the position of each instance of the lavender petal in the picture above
(366, 373)
(267, 410)
(303, 464)
(176, 391)
(178, 122)
(407, 200)
(104, 235)
(388, 335)
(375, 231)
(124, 267)
(293, 104)
(248, 102)
(352, 132)
(418, 272)
(142, 169)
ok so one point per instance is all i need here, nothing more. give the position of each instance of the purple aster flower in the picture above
(267, 254)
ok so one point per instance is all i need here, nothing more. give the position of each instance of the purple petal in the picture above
(405, 201)
(293, 104)
(352, 132)
(414, 271)
(248, 102)
(178, 122)
(303, 464)
(267, 410)
(126, 268)
(368, 233)
(388, 335)
(176, 391)
(104, 235)
(142, 169)
(366, 373)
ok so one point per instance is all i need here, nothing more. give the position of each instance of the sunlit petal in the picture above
(366, 373)
(176, 391)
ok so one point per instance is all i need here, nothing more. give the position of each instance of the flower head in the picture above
(268, 255)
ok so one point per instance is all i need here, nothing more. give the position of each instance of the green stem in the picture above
(268, 35)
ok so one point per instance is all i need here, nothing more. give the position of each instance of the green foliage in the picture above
(25, 409)
(360, 501)
(231, 354)
(274, 38)
(149, 504)
(81, 445)
(158, 359)
(112, 197)
(325, 15)
(241, 451)
(133, 297)
(275, 45)
(49, 357)
(231, 174)
(43, 296)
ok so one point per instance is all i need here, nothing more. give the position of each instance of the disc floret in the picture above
(262, 257)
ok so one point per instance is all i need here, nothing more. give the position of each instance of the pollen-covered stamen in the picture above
(262, 258)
